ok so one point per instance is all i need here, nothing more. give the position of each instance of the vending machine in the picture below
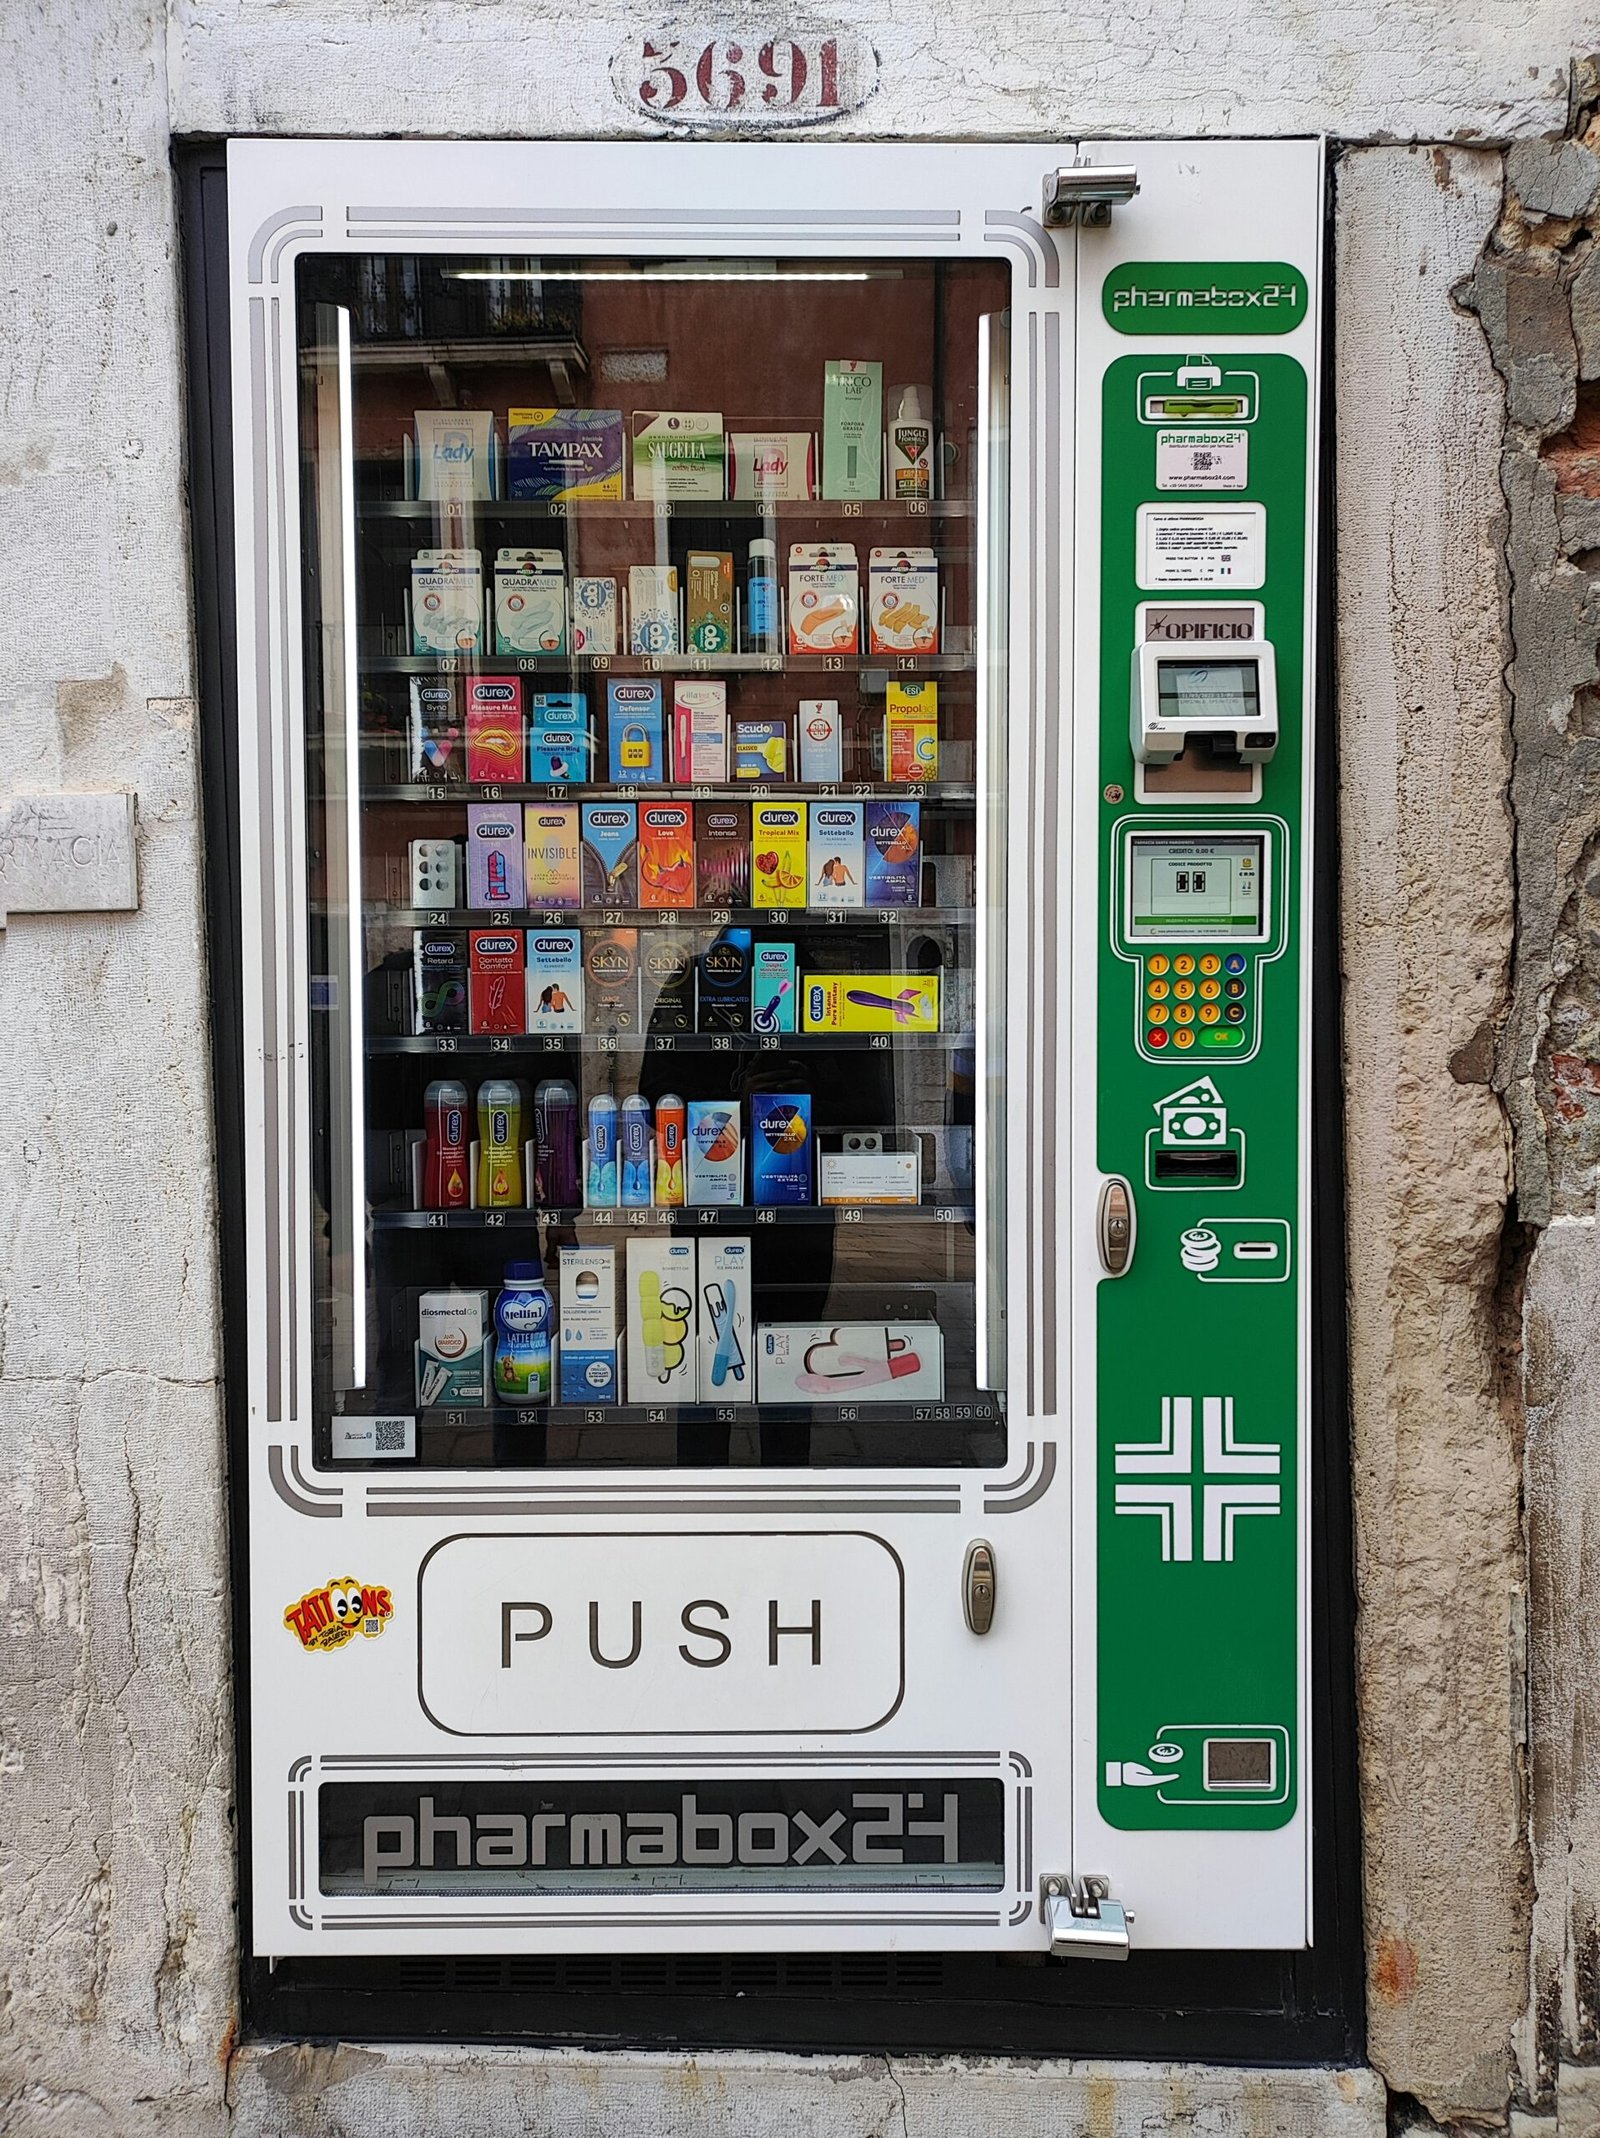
(775, 717)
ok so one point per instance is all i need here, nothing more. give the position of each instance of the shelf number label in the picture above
(726, 84)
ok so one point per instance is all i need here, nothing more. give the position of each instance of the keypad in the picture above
(1212, 1011)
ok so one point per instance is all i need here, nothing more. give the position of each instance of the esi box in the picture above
(713, 1154)
(586, 1367)
(659, 1316)
(894, 854)
(722, 853)
(780, 1147)
(836, 862)
(727, 1367)
(666, 854)
(555, 980)
(495, 881)
(634, 733)
(610, 833)
(560, 747)
(551, 870)
(611, 980)
(497, 987)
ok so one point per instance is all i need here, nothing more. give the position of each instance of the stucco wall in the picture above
(1467, 727)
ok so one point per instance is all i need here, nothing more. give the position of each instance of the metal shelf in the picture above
(543, 1044)
(668, 916)
(948, 792)
(688, 508)
(973, 1409)
(722, 1217)
(811, 666)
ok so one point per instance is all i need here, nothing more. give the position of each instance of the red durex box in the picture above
(494, 729)
(666, 854)
(497, 991)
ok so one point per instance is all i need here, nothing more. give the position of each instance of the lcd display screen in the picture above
(1224, 694)
(1196, 888)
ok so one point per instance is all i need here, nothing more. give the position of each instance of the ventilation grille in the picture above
(690, 1975)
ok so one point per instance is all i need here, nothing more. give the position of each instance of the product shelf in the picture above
(951, 793)
(722, 1217)
(811, 666)
(796, 509)
(580, 917)
(545, 1044)
(959, 1410)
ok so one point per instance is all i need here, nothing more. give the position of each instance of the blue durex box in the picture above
(560, 746)
(774, 993)
(636, 733)
(894, 853)
(780, 1147)
(610, 854)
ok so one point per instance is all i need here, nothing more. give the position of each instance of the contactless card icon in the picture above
(1200, 1763)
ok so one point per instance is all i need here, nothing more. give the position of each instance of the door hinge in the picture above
(1086, 193)
(1084, 1922)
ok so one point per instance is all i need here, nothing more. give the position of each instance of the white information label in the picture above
(374, 1439)
(1202, 546)
(1202, 460)
(617, 1634)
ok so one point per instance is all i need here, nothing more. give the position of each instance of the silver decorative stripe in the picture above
(310, 1485)
(422, 1764)
(318, 1510)
(1037, 246)
(504, 219)
(496, 1919)
(1056, 715)
(1031, 1108)
(1014, 1503)
(522, 1488)
(291, 936)
(454, 1507)
(273, 224)
(271, 1042)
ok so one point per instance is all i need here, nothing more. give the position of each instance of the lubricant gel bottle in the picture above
(635, 1149)
(600, 1187)
(670, 1120)
(500, 1144)
(555, 1144)
(523, 1314)
(445, 1165)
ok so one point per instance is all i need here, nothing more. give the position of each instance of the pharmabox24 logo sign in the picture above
(332, 1616)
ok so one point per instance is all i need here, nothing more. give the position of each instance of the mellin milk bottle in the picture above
(522, 1318)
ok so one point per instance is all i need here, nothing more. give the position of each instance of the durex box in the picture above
(678, 455)
(556, 453)
(530, 601)
(780, 1147)
(869, 1002)
(437, 752)
(587, 1360)
(778, 854)
(553, 874)
(450, 1351)
(722, 983)
(852, 428)
(447, 601)
(494, 857)
(824, 598)
(610, 832)
(894, 854)
(774, 995)
(835, 859)
(635, 735)
(725, 1276)
(700, 732)
(821, 741)
(611, 979)
(722, 853)
(713, 1154)
(659, 1318)
(666, 854)
(555, 980)
(594, 614)
(439, 980)
(494, 729)
(497, 988)
(560, 747)
(666, 980)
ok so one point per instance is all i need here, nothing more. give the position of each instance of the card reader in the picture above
(1225, 692)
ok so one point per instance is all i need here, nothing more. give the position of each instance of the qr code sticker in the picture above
(391, 1436)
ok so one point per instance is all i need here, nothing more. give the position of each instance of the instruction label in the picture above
(1202, 546)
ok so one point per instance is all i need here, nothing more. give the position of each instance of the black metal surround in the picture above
(1261, 2008)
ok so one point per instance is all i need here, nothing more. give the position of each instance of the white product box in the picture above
(903, 601)
(530, 601)
(850, 1362)
(594, 615)
(700, 733)
(824, 598)
(586, 1365)
(727, 1362)
(447, 601)
(821, 741)
(653, 608)
(450, 1349)
(662, 1367)
(455, 454)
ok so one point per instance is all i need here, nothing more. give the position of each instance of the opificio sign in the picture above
(707, 81)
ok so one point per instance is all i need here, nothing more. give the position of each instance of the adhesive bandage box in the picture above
(530, 601)
(447, 601)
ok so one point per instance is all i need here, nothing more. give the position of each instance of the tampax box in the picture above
(778, 854)
(587, 1361)
(494, 728)
(455, 454)
(761, 751)
(903, 601)
(610, 832)
(894, 854)
(666, 980)
(780, 1147)
(911, 732)
(594, 614)
(852, 428)
(560, 747)
(722, 983)
(700, 733)
(436, 753)
(774, 996)
(710, 601)
(555, 453)
(447, 601)
(724, 1270)
(530, 601)
(849, 1362)
(824, 597)
(678, 455)
(821, 741)
(611, 979)
(713, 1154)
(439, 979)
(776, 465)
(450, 1350)
(494, 857)
(497, 987)
(653, 608)
(869, 1002)
(835, 858)
(555, 980)
(722, 853)
(666, 854)
(659, 1318)
(634, 733)
(553, 874)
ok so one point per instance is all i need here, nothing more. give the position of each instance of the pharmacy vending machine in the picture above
(775, 701)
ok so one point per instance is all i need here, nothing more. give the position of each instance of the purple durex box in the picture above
(494, 857)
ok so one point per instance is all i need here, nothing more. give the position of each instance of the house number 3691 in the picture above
(713, 83)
